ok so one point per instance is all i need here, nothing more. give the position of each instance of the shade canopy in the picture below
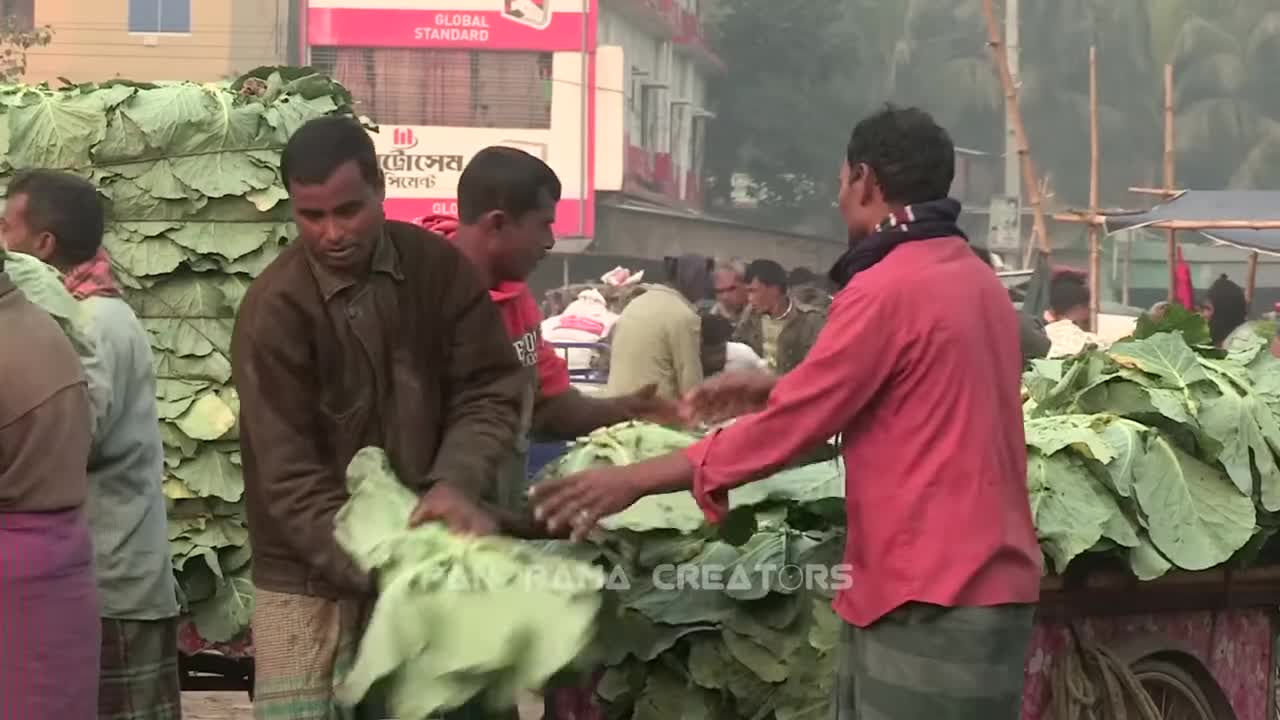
(1209, 206)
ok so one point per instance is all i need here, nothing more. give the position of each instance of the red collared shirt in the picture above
(919, 369)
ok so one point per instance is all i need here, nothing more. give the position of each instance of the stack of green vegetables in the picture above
(197, 210)
(703, 621)
(1162, 450)
(456, 618)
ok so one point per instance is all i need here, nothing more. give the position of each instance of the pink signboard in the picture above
(567, 213)
(515, 28)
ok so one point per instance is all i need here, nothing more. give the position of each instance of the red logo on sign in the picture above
(403, 138)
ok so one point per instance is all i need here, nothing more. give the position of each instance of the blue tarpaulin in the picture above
(1206, 206)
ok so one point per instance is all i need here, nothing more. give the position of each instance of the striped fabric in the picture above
(49, 627)
(924, 662)
(300, 644)
(139, 676)
(92, 278)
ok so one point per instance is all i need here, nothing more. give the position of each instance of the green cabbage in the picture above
(455, 617)
(42, 285)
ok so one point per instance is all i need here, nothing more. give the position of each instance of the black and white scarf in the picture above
(921, 221)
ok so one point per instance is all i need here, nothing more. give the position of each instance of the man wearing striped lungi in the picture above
(923, 386)
(363, 332)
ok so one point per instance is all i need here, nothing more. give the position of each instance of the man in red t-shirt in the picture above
(941, 551)
(507, 204)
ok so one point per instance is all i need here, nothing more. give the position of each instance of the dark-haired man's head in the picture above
(506, 208)
(54, 216)
(1068, 300)
(1225, 308)
(716, 333)
(767, 287)
(330, 169)
(895, 157)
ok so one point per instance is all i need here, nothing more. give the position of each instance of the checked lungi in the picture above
(924, 662)
(139, 677)
(300, 645)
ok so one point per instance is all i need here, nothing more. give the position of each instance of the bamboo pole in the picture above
(1252, 279)
(1095, 252)
(1155, 191)
(1213, 224)
(1000, 58)
(1171, 238)
(1128, 271)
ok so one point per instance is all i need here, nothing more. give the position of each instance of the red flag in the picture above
(1183, 293)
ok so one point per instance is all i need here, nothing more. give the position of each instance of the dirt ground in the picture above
(216, 706)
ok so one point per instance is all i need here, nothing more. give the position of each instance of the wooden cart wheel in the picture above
(1176, 693)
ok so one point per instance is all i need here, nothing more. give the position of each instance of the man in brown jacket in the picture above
(363, 332)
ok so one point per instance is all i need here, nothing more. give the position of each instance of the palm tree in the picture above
(1227, 96)
(937, 57)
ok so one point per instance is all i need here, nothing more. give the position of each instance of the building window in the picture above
(699, 149)
(451, 88)
(649, 118)
(159, 16)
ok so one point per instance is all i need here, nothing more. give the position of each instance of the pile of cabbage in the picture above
(196, 210)
(732, 620)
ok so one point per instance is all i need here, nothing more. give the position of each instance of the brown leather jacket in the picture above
(416, 361)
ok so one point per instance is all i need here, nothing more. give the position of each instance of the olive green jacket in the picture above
(798, 335)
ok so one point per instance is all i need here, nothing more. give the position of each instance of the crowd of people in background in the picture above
(761, 317)
(705, 317)
(1066, 324)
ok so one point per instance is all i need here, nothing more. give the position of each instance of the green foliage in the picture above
(785, 108)
(197, 210)
(1155, 451)
(776, 86)
(455, 617)
(730, 632)
(1192, 325)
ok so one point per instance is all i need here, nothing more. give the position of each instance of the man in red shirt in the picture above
(507, 203)
(941, 549)
(507, 206)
